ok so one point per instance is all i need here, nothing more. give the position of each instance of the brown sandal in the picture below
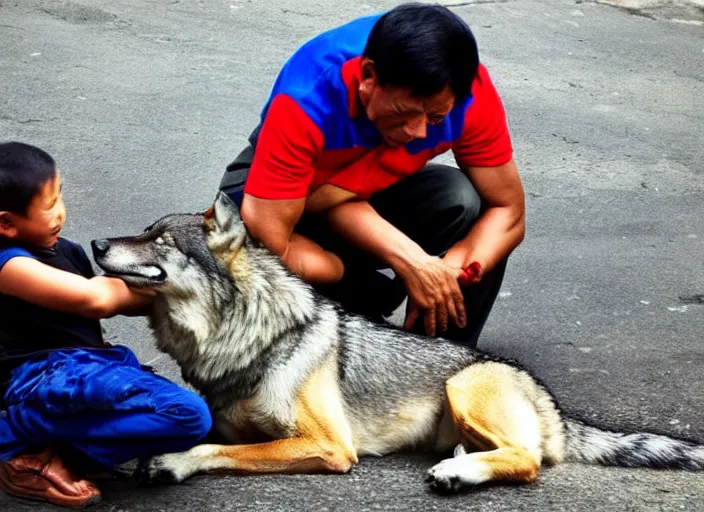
(44, 477)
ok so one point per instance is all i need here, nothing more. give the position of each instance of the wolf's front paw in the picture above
(451, 475)
(440, 482)
(162, 469)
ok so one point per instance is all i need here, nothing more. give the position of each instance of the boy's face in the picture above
(45, 217)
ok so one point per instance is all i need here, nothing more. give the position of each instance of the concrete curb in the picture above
(682, 11)
(679, 11)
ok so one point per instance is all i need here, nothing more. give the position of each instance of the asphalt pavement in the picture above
(143, 103)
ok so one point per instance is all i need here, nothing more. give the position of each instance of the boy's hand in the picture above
(143, 290)
(140, 301)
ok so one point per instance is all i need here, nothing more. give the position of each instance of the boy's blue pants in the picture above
(100, 402)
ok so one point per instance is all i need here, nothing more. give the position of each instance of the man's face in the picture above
(399, 116)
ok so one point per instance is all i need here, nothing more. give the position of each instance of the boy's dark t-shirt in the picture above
(28, 330)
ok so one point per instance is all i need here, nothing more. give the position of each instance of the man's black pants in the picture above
(435, 207)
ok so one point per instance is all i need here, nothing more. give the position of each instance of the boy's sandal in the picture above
(44, 477)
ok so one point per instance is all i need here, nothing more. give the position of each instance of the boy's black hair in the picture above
(24, 169)
(424, 48)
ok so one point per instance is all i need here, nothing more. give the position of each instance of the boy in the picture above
(66, 391)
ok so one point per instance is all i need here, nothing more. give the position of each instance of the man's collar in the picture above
(352, 77)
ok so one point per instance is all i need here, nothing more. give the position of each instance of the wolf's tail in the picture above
(592, 445)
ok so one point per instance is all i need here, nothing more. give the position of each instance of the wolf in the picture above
(296, 384)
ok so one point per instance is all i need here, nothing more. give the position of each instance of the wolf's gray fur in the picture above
(247, 334)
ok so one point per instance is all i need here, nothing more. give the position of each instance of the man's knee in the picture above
(461, 201)
(455, 208)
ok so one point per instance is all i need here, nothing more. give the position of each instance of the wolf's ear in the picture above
(224, 225)
(225, 212)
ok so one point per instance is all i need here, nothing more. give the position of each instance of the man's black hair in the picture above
(24, 169)
(423, 48)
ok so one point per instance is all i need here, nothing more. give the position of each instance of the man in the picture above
(337, 181)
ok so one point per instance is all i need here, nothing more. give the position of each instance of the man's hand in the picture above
(431, 282)
(434, 290)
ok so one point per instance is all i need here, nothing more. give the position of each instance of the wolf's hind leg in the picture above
(495, 417)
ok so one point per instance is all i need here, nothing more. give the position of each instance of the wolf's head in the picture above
(179, 254)
(222, 299)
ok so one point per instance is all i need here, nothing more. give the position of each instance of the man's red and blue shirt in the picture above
(314, 130)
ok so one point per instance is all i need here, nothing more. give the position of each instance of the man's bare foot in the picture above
(45, 477)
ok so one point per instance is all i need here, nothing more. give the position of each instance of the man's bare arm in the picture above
(501, 227)
(272, 222)
(433, 288)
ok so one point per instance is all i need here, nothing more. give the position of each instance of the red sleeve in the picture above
(287, 147)
(485, 139)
